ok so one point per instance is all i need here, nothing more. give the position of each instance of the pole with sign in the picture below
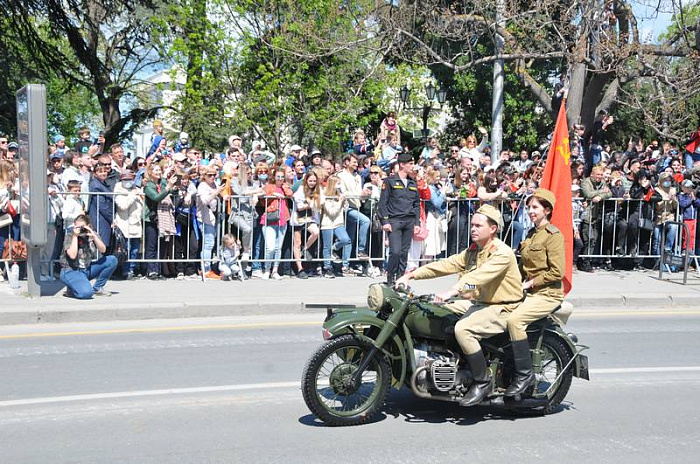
(31, 137)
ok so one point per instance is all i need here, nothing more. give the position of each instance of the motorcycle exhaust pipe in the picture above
(421, 394)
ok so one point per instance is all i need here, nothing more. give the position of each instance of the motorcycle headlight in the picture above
(375, 297)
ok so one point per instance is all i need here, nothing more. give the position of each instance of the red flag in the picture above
(557, 178)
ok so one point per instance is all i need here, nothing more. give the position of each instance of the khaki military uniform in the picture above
(494, 271)
(543, 261)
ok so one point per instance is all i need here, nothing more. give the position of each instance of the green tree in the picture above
(109, 49)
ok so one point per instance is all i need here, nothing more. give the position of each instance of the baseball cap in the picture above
(12, 146)
(295, 148)
(688, 183)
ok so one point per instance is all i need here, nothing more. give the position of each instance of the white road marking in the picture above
(644, 370)
(273, 385)
(140, 393)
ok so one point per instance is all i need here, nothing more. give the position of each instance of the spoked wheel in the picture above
(549, 383)
(327, 384)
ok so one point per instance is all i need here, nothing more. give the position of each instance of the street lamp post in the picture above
(430, 93)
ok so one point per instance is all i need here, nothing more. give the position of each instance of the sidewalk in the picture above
(145, 299)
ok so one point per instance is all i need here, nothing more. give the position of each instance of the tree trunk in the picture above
(111, 117)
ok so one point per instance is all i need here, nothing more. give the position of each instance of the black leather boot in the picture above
(482, 380)
(523, 376)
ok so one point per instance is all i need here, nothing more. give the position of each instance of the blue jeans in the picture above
(358, 233)
(208, 239)
(690, 159)
(134, 246)
(79, 281)
(257, 247)
(274, 237)
(343, 242)
(671, 231)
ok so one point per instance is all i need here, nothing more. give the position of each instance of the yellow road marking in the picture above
(161, 329)
(259, 325)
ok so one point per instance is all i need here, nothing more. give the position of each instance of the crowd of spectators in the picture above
(176, 212)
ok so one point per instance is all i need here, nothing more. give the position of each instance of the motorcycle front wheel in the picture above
(327, 388)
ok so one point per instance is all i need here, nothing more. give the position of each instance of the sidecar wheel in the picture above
(325, 388)
(555, 357)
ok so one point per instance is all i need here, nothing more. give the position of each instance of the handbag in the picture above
(422, 233)
(273, 216)
(5, 220)
(646, 224)
(118, 246)
(16, 250)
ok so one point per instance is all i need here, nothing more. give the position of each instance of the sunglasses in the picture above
(374, 172)
(454, 151)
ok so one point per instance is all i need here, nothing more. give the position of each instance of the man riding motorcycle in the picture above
(489, 287)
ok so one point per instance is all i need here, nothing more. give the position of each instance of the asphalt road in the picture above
(227, 390)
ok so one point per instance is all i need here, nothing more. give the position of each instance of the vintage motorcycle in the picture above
(403, 338)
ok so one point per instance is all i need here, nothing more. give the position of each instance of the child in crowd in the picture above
(72, 206)
(389, 152)
(229, 264)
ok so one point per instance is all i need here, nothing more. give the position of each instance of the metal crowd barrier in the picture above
(617, 223)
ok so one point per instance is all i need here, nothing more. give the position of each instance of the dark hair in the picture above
(545, 204)
(348, 157)
(69, 156)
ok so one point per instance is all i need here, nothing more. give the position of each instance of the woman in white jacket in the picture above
(333, 224)
(128, 217)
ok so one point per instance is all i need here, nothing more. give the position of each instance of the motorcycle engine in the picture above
(442, 365)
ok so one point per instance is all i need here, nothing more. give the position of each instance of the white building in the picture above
(158, 89)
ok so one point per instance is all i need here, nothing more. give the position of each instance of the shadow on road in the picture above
(403, 404)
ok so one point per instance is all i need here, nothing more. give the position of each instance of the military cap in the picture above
(546, 195)
(491, 213)
(405, 158)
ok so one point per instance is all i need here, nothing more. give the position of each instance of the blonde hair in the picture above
(7, 172)
(229, 238)
(204, 170)
(431, 175)
(331, 186)
(149, 171)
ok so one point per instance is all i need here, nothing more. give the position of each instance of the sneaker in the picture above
(350, 272)
(265, 276)
(329, 274)
(102, 292)
(69, 293)
(212, 275)
(302, 275)
(276, 276)
(363, 256)
(155, 276)
(334, 256)
(225, 278)
(258, 274)
(180, 276)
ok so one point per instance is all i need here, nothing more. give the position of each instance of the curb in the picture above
(31, 314)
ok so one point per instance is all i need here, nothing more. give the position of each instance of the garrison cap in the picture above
(546, 195)
(491, 213)
(405, 158)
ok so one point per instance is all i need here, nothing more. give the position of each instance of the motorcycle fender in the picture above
(580, 361)
(345, 322)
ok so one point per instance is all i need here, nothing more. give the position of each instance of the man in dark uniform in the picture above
(399, 211)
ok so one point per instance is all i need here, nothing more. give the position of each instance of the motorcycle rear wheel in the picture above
(326, 389)
(556, 355)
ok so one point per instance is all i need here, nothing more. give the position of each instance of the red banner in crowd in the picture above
(557, 178)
